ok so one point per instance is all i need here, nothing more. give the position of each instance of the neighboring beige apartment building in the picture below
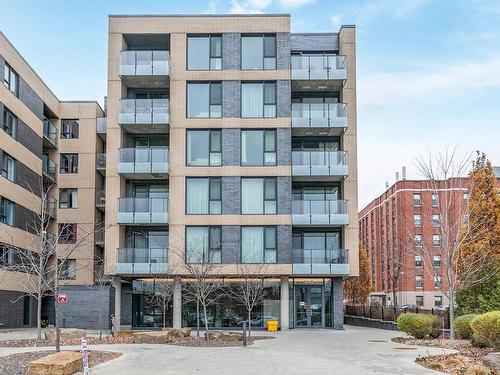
(227, 140)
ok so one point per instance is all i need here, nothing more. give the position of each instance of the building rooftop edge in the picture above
(196, 15)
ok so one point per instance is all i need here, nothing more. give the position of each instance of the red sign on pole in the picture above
(62, 298)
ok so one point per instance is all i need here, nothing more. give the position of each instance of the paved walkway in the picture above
(302, 352)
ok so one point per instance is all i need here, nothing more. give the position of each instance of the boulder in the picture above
(225, 336)
(185, 332)
(66, 334)
(492, 361)
(124, 334)
(61, 363)
(160, 337)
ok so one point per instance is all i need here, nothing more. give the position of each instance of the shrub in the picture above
(462, 326)
(486, 329)
(419, 325)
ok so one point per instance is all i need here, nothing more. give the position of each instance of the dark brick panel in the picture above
(28, 179)
(12, 309)
(231, 195)
(231, 45)
(311, 42)
(28, 138)
(230, 244)
(29, 97)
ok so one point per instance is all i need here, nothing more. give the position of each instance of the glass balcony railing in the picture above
(320, 212)
(318, 67)
(49, 134)
(142, 211)
(100, 198)
(143, 160)
(99, 235)
(320, 261)
(100, 162)
(143, 111)
(50, 241)
(144, 63)
(141, 261)
(102, 125)
(319, 163)
(49, 168)
(319, 115)
(51, 207)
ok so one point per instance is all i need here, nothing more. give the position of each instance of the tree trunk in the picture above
(164, 311)
(39, 316)
(452, 314)
(100, 314)
(249, 323)
(197, 317)
(206, 322)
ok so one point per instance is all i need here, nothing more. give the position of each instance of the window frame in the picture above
(437, 281)
(419, 281)
(210, 104)
(69, 202)
(263, 36)
(264, 151)
(264, 191)
(5, 167)
(419, 243)
(210, 152)
(13, 76)
(63, 165)
(417, 202)
(264, 248)
(419, 263)
(64, 268)
(14, 122)
(436, 243)
(417, 223)
(209, 250)
(209, 179)
(264, 104)
(4, 218)
(434, 261)
(436, 223)
(65, 134)
(67, 238)
(210, 57)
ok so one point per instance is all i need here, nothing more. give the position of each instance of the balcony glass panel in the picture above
(143, 160)
(318, 67)
(144, 63)
(142, 260)
(319, 212)
(143, 210)
(143, 111)
(50, 132)
(102, 124)
(49, 167)
(319, 163)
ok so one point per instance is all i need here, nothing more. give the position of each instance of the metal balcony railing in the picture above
(49, 134)
(143, 160)
(319, 163)
(318, 67)
(49, 168)
(144, 63)
(319, 115)
(143, 111)
(142, 210)
(141, 261)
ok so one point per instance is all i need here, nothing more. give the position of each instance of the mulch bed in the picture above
(468, 360)
(17, 364)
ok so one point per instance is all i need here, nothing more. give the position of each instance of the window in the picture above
(419, 301)
(203, 196)
(10, 123)
(67, 233)
(258, 245)
(419, 281)
(466, 197)
(436, 220)
(69, 129)
(6, 211)
(67, 269)
(258, 147)
(417, 199)
(11, 80)
(69, 163)
(258, 195)
(68, 198)
(8, 167)
(203, 245)
(204, 52)
(436, 261)
(417, 238)
(6, 256)
(435, 200)
(418, 261)
(436, 240)
(258, 99)
(204, 99)
(417, 220)
(258, 51)
(438, 301)
(204, 147)
(437, 281)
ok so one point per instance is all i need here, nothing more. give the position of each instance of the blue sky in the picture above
(428, 71)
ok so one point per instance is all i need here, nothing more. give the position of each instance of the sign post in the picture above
(62, 298)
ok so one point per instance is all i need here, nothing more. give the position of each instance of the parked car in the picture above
(411, 307)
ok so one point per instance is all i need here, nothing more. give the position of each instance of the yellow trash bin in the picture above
(272, 325)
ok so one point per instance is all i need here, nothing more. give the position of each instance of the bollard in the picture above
(244, 333)
(85, 357)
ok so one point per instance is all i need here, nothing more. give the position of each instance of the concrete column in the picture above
(338, 303)
(117, 284)
(284, 304)
(177, 303)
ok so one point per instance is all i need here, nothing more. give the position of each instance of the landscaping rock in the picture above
(124, 334)
(225, 336)
(151, 337)
(492, 360)
(62, 363)
(185, 332)
(66, 334)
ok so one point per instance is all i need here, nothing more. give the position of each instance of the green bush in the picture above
(419, 325)
(486, 329)
(462, 326)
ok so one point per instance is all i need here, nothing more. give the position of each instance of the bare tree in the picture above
(101, 280)
(250, 290)
(446, 174)
(162, 296)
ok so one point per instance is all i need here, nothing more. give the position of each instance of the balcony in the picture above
(49, 169)
(100, 163)
(102, 127)
(320, 262)
(145, 69)
(51, 209)
(99, 235)
(325, 119)
(320, 212)
(50, 242)
(143, 162)
(320, 164)
(144, 115)
(135, 261)
(100, 199)
(49, 135)
(142, 211)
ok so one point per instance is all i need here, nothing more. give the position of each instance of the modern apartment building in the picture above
(400, 231)
(229, 140)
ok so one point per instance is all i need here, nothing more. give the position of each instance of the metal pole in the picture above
(244, 333)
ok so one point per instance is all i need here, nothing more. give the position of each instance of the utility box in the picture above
(272, 325)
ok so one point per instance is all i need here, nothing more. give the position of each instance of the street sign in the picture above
(62, 298)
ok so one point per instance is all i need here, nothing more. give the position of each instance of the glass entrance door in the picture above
(309, 306)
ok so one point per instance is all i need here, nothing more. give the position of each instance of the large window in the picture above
(204, 52)
(8, 167)
(68, 198)
(69, 163)
(203, 245)
(203, 196)
(258, 195)
(11, 80)
(258, 245)
(6, 211)
(258, 51)
(204, 99)
(10, 123)
(67, 269)
(258, 99)
(67, 233)
(69, 129)
(258, 147)
(204, 148)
